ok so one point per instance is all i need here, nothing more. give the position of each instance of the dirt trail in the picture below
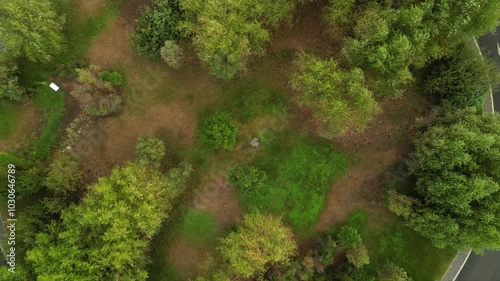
(381, 147)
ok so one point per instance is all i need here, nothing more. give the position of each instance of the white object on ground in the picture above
(255, 142)
(54, 87)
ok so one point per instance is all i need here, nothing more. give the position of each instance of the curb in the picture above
(456, 266)
(488, 105)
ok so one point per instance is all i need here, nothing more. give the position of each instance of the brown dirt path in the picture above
(385, 143)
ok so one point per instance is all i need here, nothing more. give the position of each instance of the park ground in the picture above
(170, 103)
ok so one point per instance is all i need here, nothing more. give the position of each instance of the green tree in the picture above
(358, 256)
(226, 34)
(337, 98)
(9, 82)
(155, 25)
(106, 236)
(32, 29)
(349, 238)
(461, 79)
(150, 151)
(219, 131)
(457, 166)
(391, 272)
(247, 177)
(171, 54)
(259, 241)
(64, 175)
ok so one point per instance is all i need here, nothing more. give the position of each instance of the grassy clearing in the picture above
(9, 118)
(199, 227)
(51, 104)
(300, 173)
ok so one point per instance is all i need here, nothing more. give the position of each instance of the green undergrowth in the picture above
(9, 118)
(51, 104)
(300, 174)
(199, 227)
(392, 242)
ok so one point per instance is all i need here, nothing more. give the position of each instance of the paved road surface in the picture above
(491, 44)
(486, 267)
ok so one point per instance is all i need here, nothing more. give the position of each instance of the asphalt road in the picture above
(490, 45)
(487, 266)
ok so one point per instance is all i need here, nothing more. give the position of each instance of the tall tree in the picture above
(106, 236)
(337, 98)
(259, 241)
(32, 29)
(457, 166)
(226, 33)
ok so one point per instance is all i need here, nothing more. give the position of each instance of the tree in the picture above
(260, 240)
(219, 131)
(64, 174)
(9, 82)
(358, 256)
(32, 29)
(461, 79)
(150, 151)
(349, 238)
(157, 24)
(171, 54)
(247, 177)
(391, 272)
(106, 236)
(225, 35)
(337, 98)
(457, 166)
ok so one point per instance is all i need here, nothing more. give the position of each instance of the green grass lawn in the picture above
(200, 228)
(300, 174)
(9, 118)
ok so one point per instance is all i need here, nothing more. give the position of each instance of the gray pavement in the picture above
(490, 45)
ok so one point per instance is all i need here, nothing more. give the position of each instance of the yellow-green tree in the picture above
(261, 240)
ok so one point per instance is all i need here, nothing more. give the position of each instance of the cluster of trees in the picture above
(457, 166)
(30, 29)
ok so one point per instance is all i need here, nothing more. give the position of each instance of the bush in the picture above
(64, 174)
(358, 256)
(150, 151)
(105, 105)
(349, 238)
(219, 131)
(199, 227)
(112, 77)
(171, 54)
(156, 25)
(461, 80)
(247, 178)
(9, 83)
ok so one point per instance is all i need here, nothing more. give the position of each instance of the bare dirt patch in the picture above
(89, 8)
(383, 145)
(187, 258)
(29, 123)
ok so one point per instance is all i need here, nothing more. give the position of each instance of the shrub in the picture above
(9, 83)
(219, 131)
(112, 77)
(358, 256)
(150, 151)
(171, 53)
(64, 174)
(391, 272)
(327, 250)
(105, 105)
(247, 178)
(349, 238)
(156, 25)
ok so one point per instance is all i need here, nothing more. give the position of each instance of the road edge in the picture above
(488, 105)
(456, 266)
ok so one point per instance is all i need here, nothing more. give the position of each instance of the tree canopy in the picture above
(259, 241)
(338, 98)
(31, 28)
(226, 33)
(106, 236)
(457, 166)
